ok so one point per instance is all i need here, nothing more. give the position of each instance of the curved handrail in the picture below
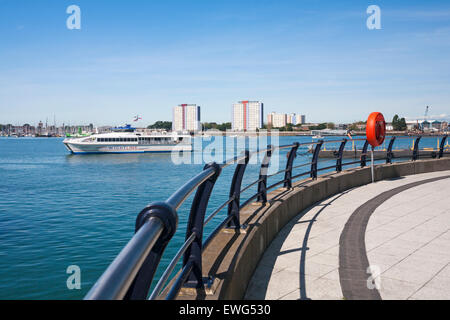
(178, 198)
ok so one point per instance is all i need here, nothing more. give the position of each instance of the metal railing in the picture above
(131, 273)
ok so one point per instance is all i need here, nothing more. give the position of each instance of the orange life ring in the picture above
(376, 129)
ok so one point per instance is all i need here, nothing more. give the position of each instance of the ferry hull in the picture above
(77, 148)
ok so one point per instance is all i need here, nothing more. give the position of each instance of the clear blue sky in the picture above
(314, 57)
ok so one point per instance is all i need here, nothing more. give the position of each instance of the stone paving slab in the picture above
(407, 238)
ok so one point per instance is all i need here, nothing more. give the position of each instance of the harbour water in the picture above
(58, 210)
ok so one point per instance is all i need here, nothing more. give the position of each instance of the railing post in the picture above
(390, 154)
(289, 164)
(315, 159)
(235, 192)
(195, 225)
(161, 210)
(340, 155)
(415, 155)
(262, 185)
(441, 147)
(364, 154)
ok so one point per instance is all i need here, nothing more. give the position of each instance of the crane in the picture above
(426, 112)
(425, 117)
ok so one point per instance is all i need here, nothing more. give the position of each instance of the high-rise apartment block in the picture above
(247, 116)
(186, 117)
(277, 120)
(291, 119)
(300, 119)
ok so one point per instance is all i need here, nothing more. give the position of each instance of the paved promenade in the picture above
(387, 240)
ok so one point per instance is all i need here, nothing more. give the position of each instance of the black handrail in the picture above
(130, 275)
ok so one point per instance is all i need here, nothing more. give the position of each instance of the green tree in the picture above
(395, 121)
(224, 126)
(165, 125)
(402, 124)
(216, 126)
(318, 127)
(399, 124)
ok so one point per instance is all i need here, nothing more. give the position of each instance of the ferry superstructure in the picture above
(129, 140)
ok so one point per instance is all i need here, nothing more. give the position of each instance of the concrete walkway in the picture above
(407, 245)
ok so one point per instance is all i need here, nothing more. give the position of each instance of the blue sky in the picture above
(314, 57)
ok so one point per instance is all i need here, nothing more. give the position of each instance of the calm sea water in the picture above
(58, 210)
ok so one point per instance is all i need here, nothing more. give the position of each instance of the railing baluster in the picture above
(340, 155)
(195, 225)
(390, 154)
(262, 185)
(441, 147)
(415, 155)
(315, 160)
(364, 154)
(288, 174)
(235, 192)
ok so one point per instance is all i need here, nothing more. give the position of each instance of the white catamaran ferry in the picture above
(129, 140)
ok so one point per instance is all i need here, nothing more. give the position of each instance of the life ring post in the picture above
(376, 133)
